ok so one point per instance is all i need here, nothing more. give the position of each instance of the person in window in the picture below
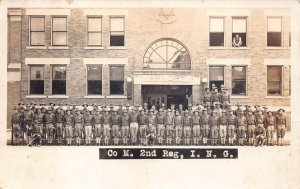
(237, 41)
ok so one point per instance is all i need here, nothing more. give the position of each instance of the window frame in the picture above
(88, 32)
(281, 32)
(87, 92)
(209, 32)
(246, 19)
(281, 87)
(30, 32)
(116, 65)
(246, 80)
(209, 81)
(124, 27)
(66, 31)
(58, 65)
(29, 78)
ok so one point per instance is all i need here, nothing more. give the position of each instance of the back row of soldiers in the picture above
(146, 127)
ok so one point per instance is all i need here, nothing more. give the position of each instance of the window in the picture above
(116, 80)
(59, 73)
(274, 75)
(94, 79)
(37, 31)
(216, 76)
(167, 54)
(36, 80)
(239, 32)
(274, 36)
(239, 80)
(117, 31)
(216, 32)
(59, 31)
(94, 35)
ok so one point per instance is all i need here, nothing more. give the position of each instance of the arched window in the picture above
(167, 54)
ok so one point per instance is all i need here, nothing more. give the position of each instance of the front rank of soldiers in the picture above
(206, 124)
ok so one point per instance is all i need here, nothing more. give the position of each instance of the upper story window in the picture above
(239, 80)
(167, 54)
(37, 31)
(94, 31)
(216, 76)
(116, 79)
(59, 75)
(216, 32)
(117, 31)
(59, 31)
(36, 80)
(239, 32)
(274, 35)
(94, 79)
(274, 80)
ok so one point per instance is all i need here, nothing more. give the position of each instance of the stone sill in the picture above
(241, 97)
(36, 96)
(94, 48)
(58, 96)
(36, 47)
(59, 48)
(240, 48)
(94, 96)
(272, 97)
(116, 48)
(275, 48)
(217, 48)
(14, 66)
(117, 96)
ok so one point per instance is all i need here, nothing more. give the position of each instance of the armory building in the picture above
(153, 55)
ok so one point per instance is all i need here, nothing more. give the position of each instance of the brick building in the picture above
(153, 55)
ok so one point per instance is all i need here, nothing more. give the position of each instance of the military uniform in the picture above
(16, 122)
(115, 124)
(134, 126)
(151, 129)
(69, 125)
(205, 127)
(207, 98)
(125, 121)
(260, 134)
(281, 126)
(106, 127)
(49, 123)
(231, 127)
(225, 99)
(241, 128)
(214, 123)
(187, 131)
(78, 120)
(59, 126)
(98, 121)
(196, 120)
(28, 122)
(251, 122)
(223, 127)
(160, 126)
(215, 97)
(270, 123)
(178, 128)
(143, 122)
(169, 125)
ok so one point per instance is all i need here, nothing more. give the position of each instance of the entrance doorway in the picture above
(167, 94)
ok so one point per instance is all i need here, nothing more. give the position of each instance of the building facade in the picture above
(152, 55)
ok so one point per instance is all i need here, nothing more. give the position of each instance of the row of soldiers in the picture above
(138, 125)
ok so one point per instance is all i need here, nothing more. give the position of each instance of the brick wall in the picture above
(13, 98)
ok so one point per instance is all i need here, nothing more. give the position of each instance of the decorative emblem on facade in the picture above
(166, 16)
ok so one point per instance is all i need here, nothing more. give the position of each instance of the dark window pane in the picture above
(242, 36)
(216, 39)
(58, 87)
(239, 87)
(95, 87)
(117, 40)
(36, 86)
(274, 39)
(117, 87)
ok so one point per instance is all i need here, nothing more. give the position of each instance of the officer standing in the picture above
(125, 122)
(169, 125)
(134, 126)
(214, 123)
(28, 122)
(180, 109)
(261, 122)
(120, 110)
(85, 109)
(143, 122)
(225, 98)
(69, 125)
(106, 126)
(39, 121)
(115, 124)
(251, 122)
(281, 126)
(50, 122)
(187, 123)
(59, 116)
(223, 127)
(270, 122)
(98, 121)
(231, 127)
(205, 126)
(241, 127)
(78, 120)
(196, 121)
(178, 127)
(16, 122)
(215, 96)
(207, 97)
(160, 126)
(151, 129)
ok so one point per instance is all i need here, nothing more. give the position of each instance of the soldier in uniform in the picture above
(134, 124)
(187, 124)
(49, 124)
(39, 121)
(95, 108)
(125, 122)
(260, 134)
(217, 108)
(98, 121)
(231, 127)
(270, 123)
(247, 110)
(190, 110)
(88, 123)
(78, 120)
(69, 123)
(106, 126)
(241, 127)
(16, 122)
(214, 123)
(223, 127)
(143, 122)
(120, 110)
(251, 122)
(128, 108)
(173, 109)
(169, 125)
(151, 129)
(178, 127)
(73, 110)
(260, 121)
(85, 109)
(115, 124)
(160, 126)
(224, 98)
(180, 109)
(215, 96)
(145, 107)
(196, 121)
(207, 97)
(205, 126)
(59, 116)
(281, 126)
(256, 110)
(163, 107)
(28, 121)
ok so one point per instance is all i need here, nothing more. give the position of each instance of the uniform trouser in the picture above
(260, 139)
(270, 133)
(178, 133)
(37, 130)
(59, 132)
(50, 132)
(98, 132)
(106, 133)
(125, 133)
(88, 133)
(16, 133)
(241, 132)
(160, 133)
(223, 132)
(169, 133)
(196, 133)
(280, 133)
(69, 133)
(251, 131)
(78, 132)
(116, 133)
(143, 130)
(205, 131)
(187, 134)
(133, 132)
(214, 134)
(231, 129)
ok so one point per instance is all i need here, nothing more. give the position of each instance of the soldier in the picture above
(85, 109)
(205, 126)
(215, 96)
(73, 110)
(178, 127)
(241, 127)
(59, 116)
(187, 123)
(218, 109)
(160, 126)
(163, 107)
(260, 134)
(239, 109)
(111, 111)
(247, 110)
(151, 129)
(115, 124)
(145, 107)
(78, 120)
(28, 121)
(214, 123)
(260, 122)
(207, 97)
(231, 127)
(143, 122)
(125, 122)
(281, 126)
(52, 106)
(49, 124)
(43, 109)
(39, 121)
(180, 109)
(69, 123)
(95, 108)
(223, 127)
(120, 110)
(16, 123)
(265, 112)
(98, 121)
(190, 110)
(128, 108)
(225, 98)
(270, 123)
(172, 108)
(154, 109)
(60, 106)
(169, 125)
(88, 123)
(256, 110)
(106, 126)
(196, 120)
(134, 124)
(251, 122)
